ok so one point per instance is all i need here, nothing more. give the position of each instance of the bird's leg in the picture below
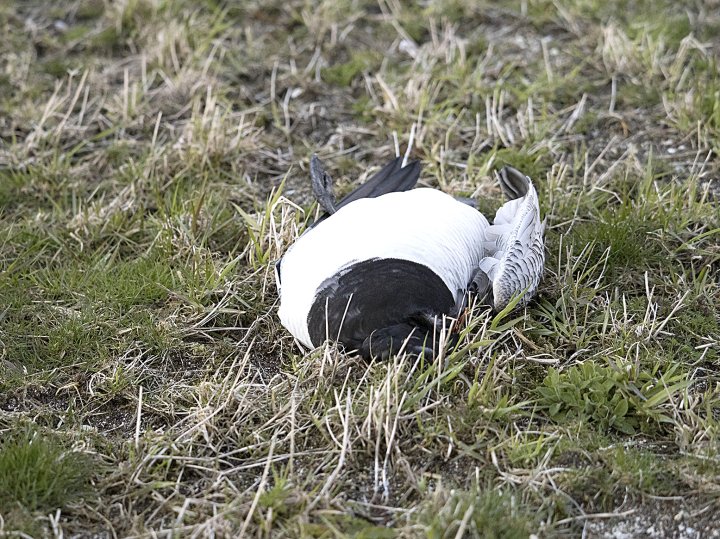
(459, 310)
(461, 304)
(322, 185)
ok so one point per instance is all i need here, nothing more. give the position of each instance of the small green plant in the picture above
(588, 392)
(275, 498)
(609, 397)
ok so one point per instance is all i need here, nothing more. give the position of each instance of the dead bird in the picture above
(382, 269)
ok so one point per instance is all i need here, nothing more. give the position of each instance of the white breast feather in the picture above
(422, 225)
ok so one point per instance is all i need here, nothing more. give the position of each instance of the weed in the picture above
(608, 397)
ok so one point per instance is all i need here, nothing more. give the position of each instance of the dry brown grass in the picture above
(153, 164)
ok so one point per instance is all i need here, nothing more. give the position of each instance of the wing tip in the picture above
(391, 178)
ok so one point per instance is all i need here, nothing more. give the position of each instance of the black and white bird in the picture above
(385, 266)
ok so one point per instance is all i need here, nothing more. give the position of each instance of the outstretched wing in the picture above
(514, 242)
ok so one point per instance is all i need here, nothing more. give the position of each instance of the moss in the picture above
(362, 109)
(615, 473)
(344, 74)
(347, 525)
(75, 32)
(56, 67)
(107, 40)
(90, 9)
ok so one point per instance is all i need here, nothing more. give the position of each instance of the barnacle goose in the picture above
(385, 266)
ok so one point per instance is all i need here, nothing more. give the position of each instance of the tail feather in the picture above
(514, 243)
(513, 182)
(393, 177)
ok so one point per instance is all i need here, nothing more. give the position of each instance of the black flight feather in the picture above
(392, 178)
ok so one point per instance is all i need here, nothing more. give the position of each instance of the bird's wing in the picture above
(393, 177)
(514, 242)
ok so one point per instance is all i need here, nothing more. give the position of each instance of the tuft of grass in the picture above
(37, 473)
(496, 514)
(627, 240)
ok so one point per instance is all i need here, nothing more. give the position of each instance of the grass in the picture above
(153, 166)
(38, 474)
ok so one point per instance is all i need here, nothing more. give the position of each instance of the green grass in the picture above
(488, 513)
(149, 180)
(37, 473)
